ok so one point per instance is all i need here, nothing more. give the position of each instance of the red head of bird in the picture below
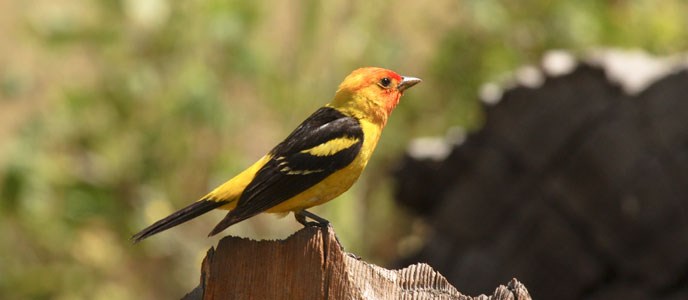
(372, 93)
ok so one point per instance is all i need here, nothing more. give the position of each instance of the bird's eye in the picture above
(384, 82)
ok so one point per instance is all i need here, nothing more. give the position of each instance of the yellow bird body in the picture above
(321, 159)
(328, 189)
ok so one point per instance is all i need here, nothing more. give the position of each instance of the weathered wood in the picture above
(577, 186)
(311, 265)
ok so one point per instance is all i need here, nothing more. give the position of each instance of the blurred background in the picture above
(114, 114)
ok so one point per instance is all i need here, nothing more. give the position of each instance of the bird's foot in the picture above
(317, 221)
(354, 256)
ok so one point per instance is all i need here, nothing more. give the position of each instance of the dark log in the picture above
(578, 186)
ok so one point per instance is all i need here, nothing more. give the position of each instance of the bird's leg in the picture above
(303, 214)
(320, 222)
(302, 219)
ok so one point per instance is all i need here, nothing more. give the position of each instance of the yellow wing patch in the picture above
(289, 171)
(332, 146)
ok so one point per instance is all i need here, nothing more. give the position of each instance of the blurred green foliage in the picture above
(115, 113)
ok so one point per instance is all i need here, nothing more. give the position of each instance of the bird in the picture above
(321, 159)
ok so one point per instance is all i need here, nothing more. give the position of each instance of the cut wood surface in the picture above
(312, 265)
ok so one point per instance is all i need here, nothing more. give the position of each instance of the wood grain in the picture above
(311, 265)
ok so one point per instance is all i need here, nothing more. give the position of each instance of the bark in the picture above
(577, 186)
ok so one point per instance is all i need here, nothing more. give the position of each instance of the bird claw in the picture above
(315, 224)
(317, 221)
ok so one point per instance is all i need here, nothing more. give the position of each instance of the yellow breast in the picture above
(337, 183)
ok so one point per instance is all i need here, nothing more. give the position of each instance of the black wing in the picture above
(291, 170)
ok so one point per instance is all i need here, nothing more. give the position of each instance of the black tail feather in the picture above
(185, 214)
(230, 219)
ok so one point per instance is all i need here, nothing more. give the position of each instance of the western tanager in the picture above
(318, 161)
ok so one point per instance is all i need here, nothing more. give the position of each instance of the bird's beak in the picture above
(407, 82)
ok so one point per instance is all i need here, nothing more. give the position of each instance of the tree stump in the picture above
(312, 265)
(577, 186)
